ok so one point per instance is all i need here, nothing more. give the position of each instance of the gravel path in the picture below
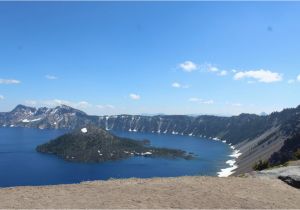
(182, 192)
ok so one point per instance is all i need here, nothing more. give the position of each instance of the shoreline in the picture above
(224, 172)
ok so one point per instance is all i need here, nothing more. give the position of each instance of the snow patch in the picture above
(146, 153)
(231, 162)
(235, 154)
(227, 171)
(83, 130)
(27, 121)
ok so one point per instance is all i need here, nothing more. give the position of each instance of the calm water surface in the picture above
(20, 164)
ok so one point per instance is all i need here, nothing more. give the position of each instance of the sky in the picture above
(221, 58)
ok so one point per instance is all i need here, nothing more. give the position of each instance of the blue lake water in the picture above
(20, 164)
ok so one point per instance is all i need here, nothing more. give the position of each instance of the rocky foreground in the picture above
(182, 192)
(290, 174)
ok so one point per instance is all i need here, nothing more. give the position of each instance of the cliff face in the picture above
(234, 129)
(257, 137)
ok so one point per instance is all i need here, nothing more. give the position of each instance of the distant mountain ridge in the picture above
(257, 137)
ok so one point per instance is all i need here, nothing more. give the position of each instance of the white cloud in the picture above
(1, 97)
(107, 106)
(58, 102)
(55, 102)
(51, 77)
(261, 75)
(207, 102)
(208, 67)
(178, 85)
(291, 81)
(212, 68)
(188, 66)
(236, 104)
(223, 73)
(9, 81)
(134, 96)
(31, 102)
(201, 101)
(82, 104)
(194, 99)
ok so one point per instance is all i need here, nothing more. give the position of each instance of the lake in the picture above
(20, 164)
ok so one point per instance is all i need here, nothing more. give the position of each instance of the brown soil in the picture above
(183, 192)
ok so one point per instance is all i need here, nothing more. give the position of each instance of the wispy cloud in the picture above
(211, 68)
(107, 106)
(178, 85)
(236, 104)
(201, 101)
(82, 104)
(261, 75)
(75, 104)
(134, 96)
(51, 77)
(188, 66)
(9, 81)
(57, 102)
(194, 99)
(31, 102)
(208, 67)
(223, 73)
(1, 97)
(292, 81)
(207, 102)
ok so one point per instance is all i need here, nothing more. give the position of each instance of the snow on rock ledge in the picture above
(83, 130)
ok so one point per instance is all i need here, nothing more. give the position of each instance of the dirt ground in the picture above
(182, 192)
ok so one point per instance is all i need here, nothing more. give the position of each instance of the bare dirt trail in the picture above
(182, 192)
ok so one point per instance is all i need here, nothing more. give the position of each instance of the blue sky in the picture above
(151, 57)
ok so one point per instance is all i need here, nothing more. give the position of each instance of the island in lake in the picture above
(94, 144)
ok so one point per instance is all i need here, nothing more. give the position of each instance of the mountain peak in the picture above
(21, 107)
(66, 108)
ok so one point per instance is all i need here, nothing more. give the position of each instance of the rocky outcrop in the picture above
(294, 181)
(289, 174)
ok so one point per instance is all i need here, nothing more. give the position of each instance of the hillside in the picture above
(94, 144)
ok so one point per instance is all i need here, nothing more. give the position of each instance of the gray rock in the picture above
(292, 180)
